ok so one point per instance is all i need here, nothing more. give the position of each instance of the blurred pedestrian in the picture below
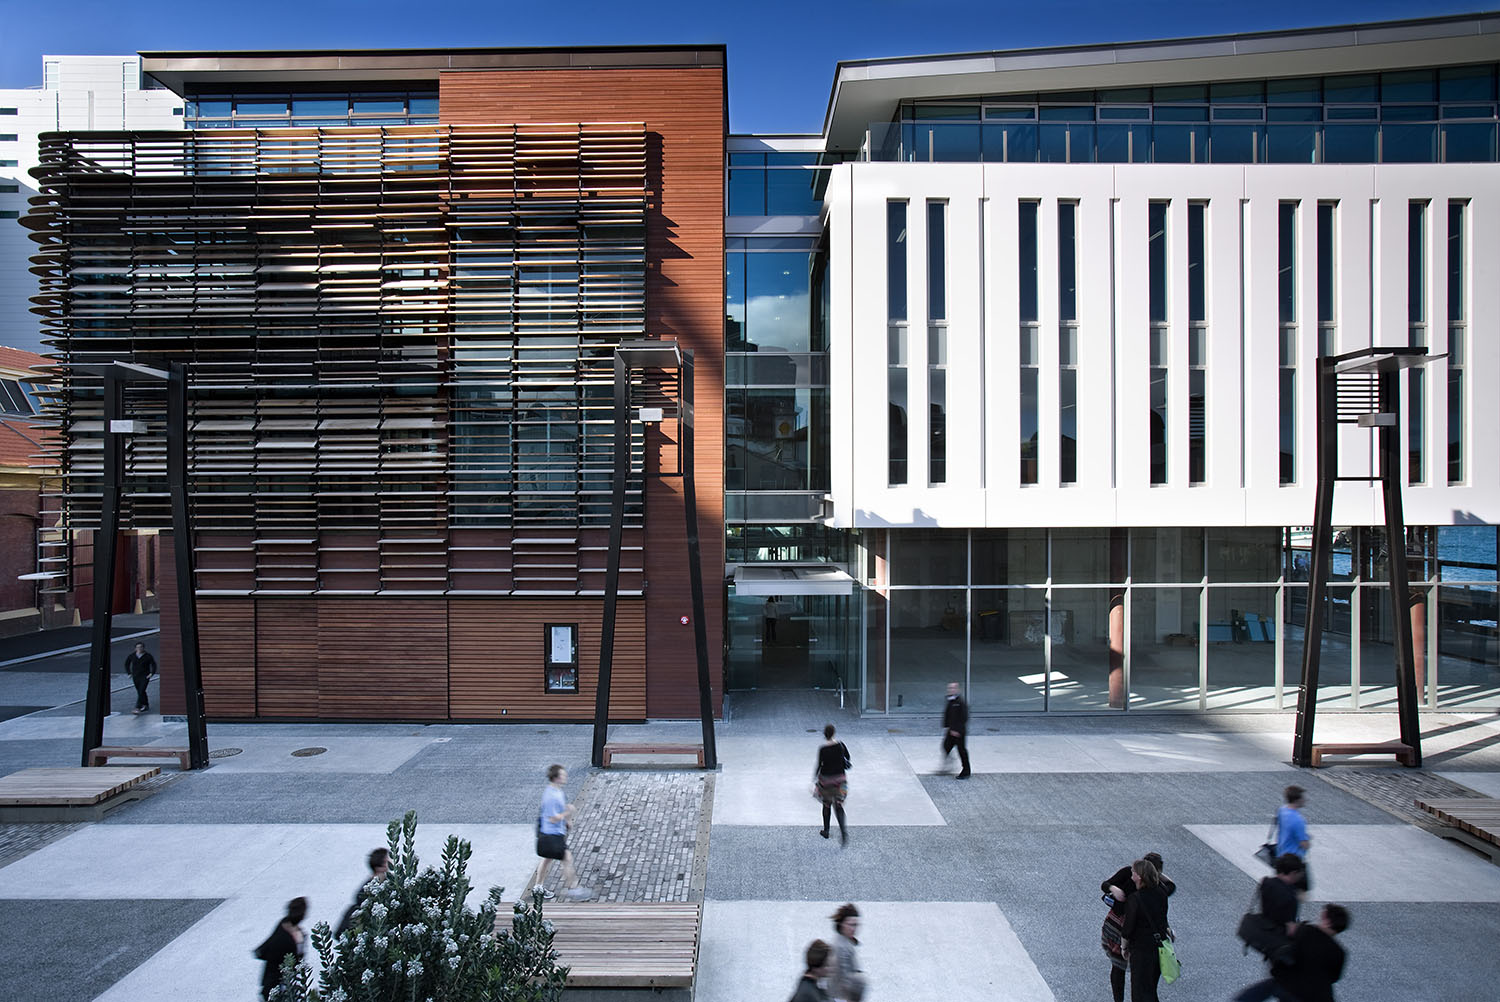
(1117, 889)
(808, 988)
(140, 666)
(1145, 925)
(1317, 961)
(380, 864)
(847, 981)
(287, 939)
(831, 780)
(956, 730)
(1291, 831)
(553, 822)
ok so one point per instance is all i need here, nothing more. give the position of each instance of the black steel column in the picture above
(695, 561)
(1395, 534)
(182, 548)
(1322, 557)
(612, 568)
(96, 707)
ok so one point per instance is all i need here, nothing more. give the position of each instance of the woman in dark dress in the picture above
(1119, 887)
(1145, 922)
(286, 938)
(831, 781)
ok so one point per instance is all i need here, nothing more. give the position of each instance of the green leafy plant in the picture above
(412, 939)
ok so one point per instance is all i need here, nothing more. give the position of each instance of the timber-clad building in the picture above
(398, 284)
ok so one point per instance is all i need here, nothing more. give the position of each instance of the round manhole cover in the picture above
(225, 752)
(308, 752)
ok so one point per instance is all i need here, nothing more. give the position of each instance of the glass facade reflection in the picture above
(1445, 115)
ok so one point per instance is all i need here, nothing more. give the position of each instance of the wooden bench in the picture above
(1405, 753)
(1475, 821)
(101, 755)
(57, 793)
(628, 945)
(613, 748)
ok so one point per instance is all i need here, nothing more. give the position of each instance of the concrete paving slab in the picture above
(324, 863)
(37, 688)
(910, 950)
(1412, 865)
(1156, 752)
(1487, 783)
(377, 755)
(770, 783)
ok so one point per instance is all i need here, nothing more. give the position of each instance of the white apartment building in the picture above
(78, 92)
(1074, 302)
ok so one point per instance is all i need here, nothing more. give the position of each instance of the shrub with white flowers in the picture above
(413, 938)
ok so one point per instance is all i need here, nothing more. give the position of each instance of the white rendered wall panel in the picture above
(1243, 406)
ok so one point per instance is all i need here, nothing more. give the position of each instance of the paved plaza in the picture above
(982, 889)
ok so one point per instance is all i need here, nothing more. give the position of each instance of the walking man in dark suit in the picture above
(140, 666)
(956, 730)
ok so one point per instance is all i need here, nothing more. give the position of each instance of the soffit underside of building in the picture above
(182, 71)
(869, 92)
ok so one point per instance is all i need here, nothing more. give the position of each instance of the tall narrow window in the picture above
(1030, 334)
(1156, 255)
(1327, 279)
(1067, 342)
(1286, 297)
(1197, 343)
(1458, 330)
(1416, 336)
(896, 338)
(937, 342)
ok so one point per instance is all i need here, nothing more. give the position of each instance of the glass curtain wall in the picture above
(1170, 619)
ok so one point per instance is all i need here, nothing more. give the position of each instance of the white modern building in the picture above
(1072, 302)
(78, 92)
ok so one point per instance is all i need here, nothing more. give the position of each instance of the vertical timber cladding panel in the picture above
(226, 644)
(495, 658)
(383, 658)
(683, 110)
(286, 657)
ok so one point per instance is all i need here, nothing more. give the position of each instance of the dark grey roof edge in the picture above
(719, 47)
(1387, 32)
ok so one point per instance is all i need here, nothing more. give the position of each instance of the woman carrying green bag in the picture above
(1145, 928)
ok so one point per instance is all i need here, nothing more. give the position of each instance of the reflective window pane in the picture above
(928, 644)
(1240, 641)
(792, 192)
(1010, 556)
(1164, 648)
(1468, 668)
(1007, 650)
(1166, 555)
(747, 192)
(1088, 556)
(1079, 624)
(929, 557)
(1244, 554)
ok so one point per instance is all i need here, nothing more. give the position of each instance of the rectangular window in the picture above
(561, 657)
(9, 214)
(8, 111)
(8, 137)
(1030, 335)
(937, 342)
(1157, 336)
(9, 187)
(1067, 342)
(896, 338)
(1197, 342)
(1286, 295)
(1416, 336)
(10, 163)
(1458, 329)
(1327, 279)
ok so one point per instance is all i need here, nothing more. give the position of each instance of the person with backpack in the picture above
(1317, 962)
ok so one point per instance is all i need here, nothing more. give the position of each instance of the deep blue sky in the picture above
(781, 54)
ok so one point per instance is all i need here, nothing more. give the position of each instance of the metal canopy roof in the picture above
(790, 579)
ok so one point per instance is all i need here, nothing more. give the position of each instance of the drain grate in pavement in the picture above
(225, 752)
(308, 752)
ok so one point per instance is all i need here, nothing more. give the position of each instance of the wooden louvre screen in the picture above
(399, 344)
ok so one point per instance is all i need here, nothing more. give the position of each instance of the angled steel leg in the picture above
(1322, 558)
(1395, 534)
(695, 564)
(182, 537)
(612, 568)
(96, 707)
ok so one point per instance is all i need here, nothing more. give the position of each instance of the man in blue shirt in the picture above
(1291, 830)
(553, 822)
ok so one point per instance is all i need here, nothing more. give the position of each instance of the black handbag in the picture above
(1267, 852)
(1265, 936)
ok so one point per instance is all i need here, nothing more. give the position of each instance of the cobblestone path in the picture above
(1396, 790)
(641, 836)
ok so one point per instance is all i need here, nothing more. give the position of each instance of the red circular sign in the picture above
(683, 620)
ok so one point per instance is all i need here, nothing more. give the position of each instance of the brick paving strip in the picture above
(21, 839)
(641, 835)
(1395, 791)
